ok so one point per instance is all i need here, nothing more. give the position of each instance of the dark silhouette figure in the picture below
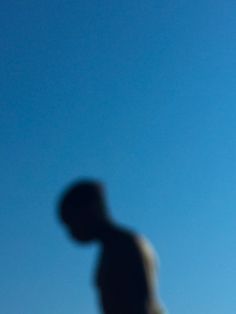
(125, 273)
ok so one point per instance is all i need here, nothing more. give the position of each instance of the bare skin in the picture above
(126, 270)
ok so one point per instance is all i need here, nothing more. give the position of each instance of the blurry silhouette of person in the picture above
(126, 271)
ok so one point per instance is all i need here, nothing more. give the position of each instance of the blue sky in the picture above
(142, 96)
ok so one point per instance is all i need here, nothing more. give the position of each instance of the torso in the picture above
(125, 274)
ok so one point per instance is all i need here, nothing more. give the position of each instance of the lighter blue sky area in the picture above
(142, 96)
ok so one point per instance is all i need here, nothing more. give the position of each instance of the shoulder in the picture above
(140, 248)
(147, 253)
(145, 246)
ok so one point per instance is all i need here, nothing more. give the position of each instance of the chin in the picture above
(82, 237)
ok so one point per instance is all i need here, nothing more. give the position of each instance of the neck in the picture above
(106, 232)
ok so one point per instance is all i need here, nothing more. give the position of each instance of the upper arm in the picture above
(126, 279)
(139, 275)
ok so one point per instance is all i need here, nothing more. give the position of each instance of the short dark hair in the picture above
(83, 192)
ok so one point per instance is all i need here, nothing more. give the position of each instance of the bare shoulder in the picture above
(145, 246)
(131, 243)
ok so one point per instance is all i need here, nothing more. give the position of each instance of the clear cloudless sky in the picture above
(142, 95)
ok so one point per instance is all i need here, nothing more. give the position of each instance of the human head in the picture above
(82, 209)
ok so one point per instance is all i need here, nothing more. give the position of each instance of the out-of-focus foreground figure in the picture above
(126, 271)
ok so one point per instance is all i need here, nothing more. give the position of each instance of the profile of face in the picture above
(82, 211)
(83, 225)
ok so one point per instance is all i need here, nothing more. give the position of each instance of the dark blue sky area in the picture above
(140, 94)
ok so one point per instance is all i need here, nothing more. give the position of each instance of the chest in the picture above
(110, 272)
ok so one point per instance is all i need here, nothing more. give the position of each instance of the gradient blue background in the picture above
(140, 94)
